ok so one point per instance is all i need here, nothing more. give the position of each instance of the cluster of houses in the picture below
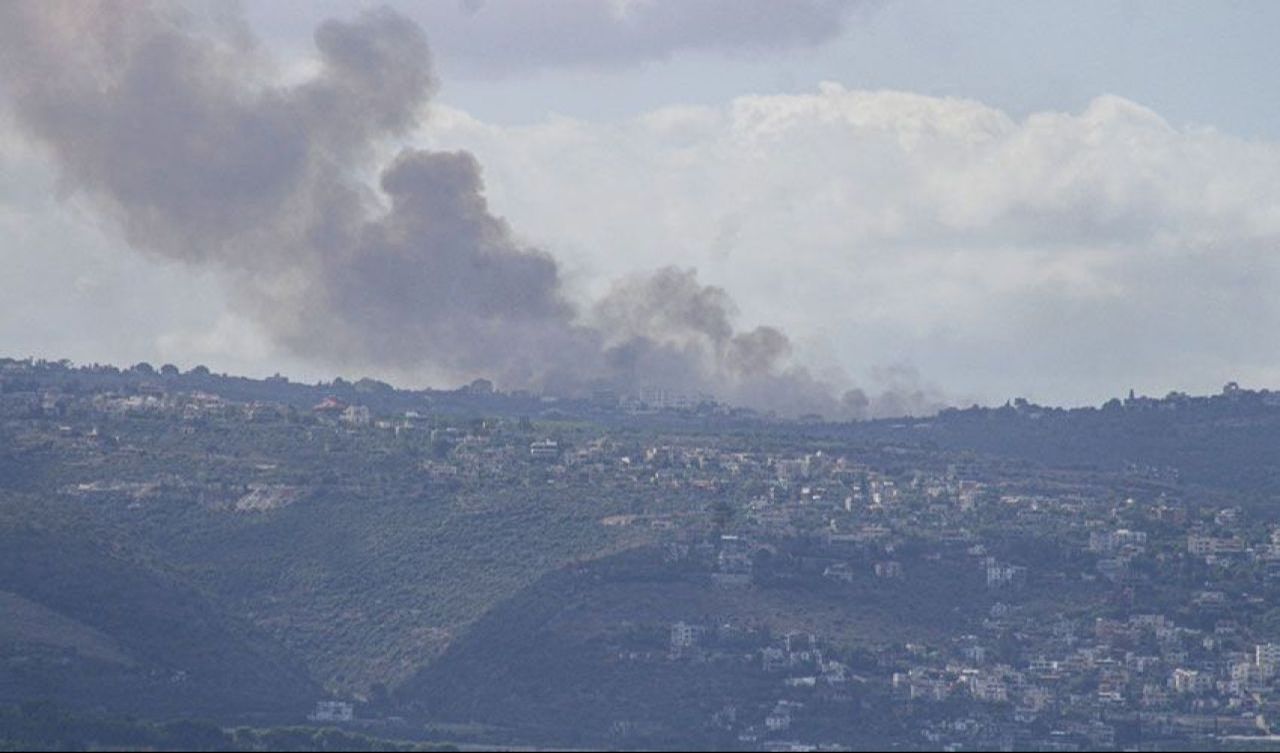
(1167, 636)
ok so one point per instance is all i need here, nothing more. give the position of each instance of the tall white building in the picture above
(1267, 657)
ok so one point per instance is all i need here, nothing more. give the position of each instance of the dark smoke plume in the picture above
(177, 127)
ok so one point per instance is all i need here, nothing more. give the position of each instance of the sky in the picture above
(1060, 201)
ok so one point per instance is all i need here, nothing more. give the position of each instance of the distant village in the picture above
(1111, 609)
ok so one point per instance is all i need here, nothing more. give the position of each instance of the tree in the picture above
(722, 514)
(1269, 625)
(194, 734)
(379, 696)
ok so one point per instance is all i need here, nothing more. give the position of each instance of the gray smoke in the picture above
(174, 123)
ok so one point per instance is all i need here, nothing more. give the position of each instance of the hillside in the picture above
(590, 649)
(502, 569)
(339, 548)
(90, 624)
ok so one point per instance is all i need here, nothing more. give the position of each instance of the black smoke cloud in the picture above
(179, 130)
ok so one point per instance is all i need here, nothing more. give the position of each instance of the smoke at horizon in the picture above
(175, 126)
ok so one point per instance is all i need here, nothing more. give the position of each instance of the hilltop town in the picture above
(642, 570)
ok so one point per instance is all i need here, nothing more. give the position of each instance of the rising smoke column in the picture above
(174, 124)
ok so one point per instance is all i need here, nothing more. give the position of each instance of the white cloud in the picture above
(1063, 255)
(516, 36)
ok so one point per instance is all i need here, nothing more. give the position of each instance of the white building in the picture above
(356, 415)
(333, 711)
(1001, 575)
(544, 448)
(1191, 682)
(685, 636)
(1107, 542)
(1267, 657)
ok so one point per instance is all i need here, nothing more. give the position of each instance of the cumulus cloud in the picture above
(1061, 255)
(1065, 255)
(180, 132)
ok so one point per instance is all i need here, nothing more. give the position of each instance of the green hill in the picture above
(90, 624)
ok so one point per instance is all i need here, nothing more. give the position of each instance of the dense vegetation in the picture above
(190, 545)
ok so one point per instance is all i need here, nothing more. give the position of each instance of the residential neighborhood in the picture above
(830, 585)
